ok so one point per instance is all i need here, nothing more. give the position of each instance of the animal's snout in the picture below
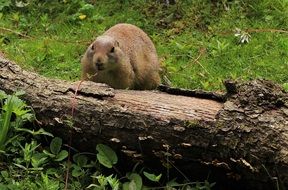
(99, 64)
(98, 61)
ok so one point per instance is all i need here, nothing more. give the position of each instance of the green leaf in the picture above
(21, 4)
(125, 186)
(42, 132)
(81, 160)
(38, 160)
(55, 145)
(34, 133)
(285, 86)
(3, 95)
(61, 156)
(152, 177)
(87, 9)
(77, 171)
(113, 182)
(3, 4)
(20, 93)
(137, 179)
(49, 154)
(93, 185)
(18, 105)
(106, 156)
(132, 185)
(172, 183)
(52, 171)
(5, 174)
(6, 117)
(20, 166)
(129, 185)
(102, 180)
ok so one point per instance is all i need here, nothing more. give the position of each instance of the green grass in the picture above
(194, 39)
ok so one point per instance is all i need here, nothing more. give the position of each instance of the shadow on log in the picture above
(242, 143)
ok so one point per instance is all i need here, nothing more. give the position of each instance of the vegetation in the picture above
(200, 43)
(28, 163)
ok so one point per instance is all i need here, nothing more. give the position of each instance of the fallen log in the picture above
(243, 142)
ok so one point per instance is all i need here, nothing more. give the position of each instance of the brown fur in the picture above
(124, 57)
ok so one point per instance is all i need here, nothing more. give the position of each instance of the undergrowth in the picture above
(200, 43)
(27, 162)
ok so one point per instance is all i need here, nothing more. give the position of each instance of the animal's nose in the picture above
(98, 63)
(98, 60)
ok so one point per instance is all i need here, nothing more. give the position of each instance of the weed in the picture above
(12, 106)
(55, 150)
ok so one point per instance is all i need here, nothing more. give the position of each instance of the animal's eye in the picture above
(112, 50)
(92, 47)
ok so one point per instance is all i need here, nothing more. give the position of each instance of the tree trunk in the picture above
(243, 142)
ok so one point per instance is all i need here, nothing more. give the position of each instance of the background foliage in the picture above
(195, 39)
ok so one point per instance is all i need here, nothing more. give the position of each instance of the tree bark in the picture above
(242, 142)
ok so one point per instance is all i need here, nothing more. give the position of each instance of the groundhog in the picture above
(123, 57)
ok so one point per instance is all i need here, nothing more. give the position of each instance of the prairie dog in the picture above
(123, 57)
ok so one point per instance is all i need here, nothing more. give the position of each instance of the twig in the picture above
(15, 32)
(73, 105)
(202, 51)
(256, 30)
(266, 30)
(74, 42)
(61, 41)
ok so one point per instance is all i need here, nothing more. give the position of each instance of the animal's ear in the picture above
(116, 43)
(93, 46)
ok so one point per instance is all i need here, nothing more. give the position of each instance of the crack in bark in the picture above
(3, 63)
(99, 96)
(193, 93)
(2, 77)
